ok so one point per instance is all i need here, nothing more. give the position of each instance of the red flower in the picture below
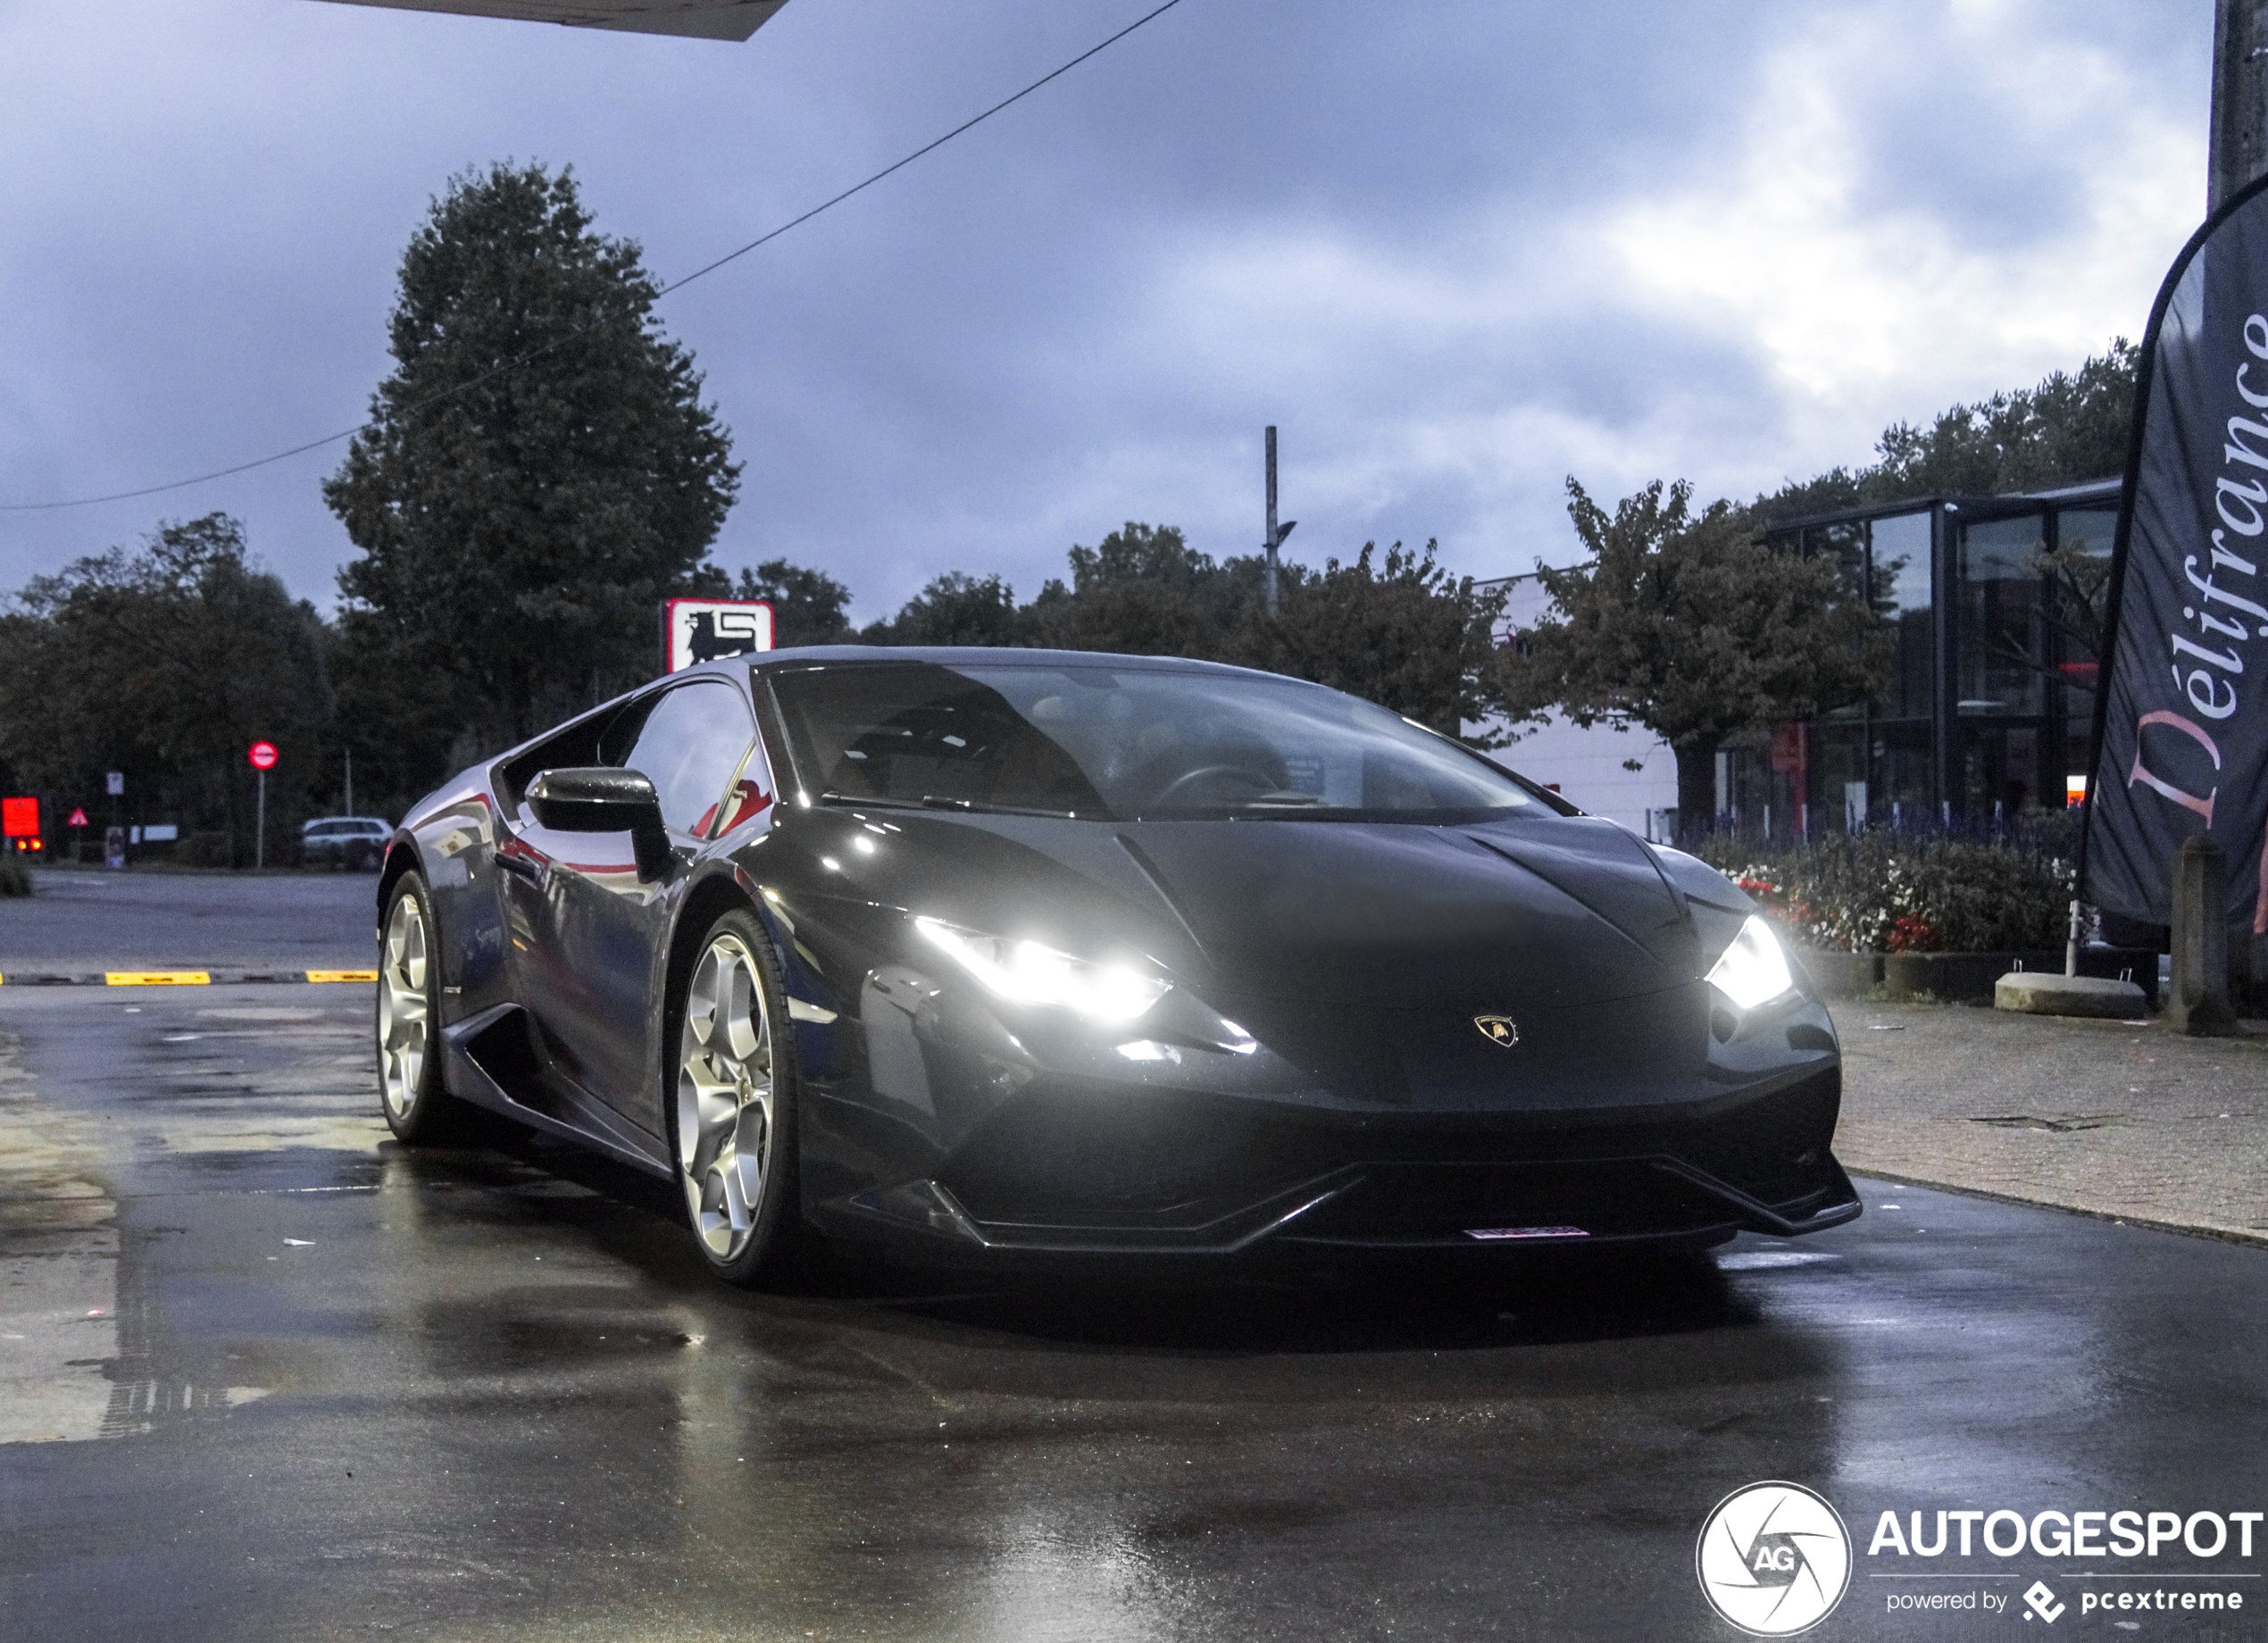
(1913, 933)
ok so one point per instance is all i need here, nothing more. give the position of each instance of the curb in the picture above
(2117, 1218)
(181, 978)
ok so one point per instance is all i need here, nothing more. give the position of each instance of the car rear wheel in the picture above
(733, 1111)
(409, 1063)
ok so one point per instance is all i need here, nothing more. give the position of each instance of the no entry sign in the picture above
(262, 755)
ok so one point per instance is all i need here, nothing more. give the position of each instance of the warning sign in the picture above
(79, 816)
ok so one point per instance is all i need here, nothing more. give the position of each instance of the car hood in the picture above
(1553, 912)
(1558, 911)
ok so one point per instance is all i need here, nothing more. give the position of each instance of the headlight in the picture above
(1027, 973)
(1753, 970)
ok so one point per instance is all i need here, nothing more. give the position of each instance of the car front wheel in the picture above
(732, 1106)
(409, 1064)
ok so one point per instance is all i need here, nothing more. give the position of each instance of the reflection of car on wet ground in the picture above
(1031, 955)
(356, 842)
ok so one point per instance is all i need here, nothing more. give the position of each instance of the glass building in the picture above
(1990, 699)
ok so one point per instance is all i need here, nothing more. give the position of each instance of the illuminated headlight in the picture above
(1753, 970)
(1027, 973)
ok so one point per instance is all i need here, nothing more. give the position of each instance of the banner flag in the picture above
(2181, 716)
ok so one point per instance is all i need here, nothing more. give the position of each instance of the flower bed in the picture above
(1888, 893)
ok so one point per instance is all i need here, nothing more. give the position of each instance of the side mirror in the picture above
(601, 799)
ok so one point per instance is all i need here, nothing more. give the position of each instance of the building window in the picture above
(2083, 537)
(1901, 593)
(2003, 655)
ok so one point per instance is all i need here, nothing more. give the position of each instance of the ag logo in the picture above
(1498, 1029)
(1773, 1559)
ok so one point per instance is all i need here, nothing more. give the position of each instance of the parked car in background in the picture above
(356, 842)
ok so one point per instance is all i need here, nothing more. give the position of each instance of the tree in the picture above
(2071, 428)
(1403, 634)
(808, 607)
(1144, 591)
(537, 473)
(167, 664)
(958, 609)
(1692, 626)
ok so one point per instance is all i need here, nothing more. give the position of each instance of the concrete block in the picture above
(1956, 977)
(2033, 992)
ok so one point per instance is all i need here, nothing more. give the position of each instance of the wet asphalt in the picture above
(265, 1375)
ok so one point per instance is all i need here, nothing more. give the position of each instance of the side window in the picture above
(690, 748)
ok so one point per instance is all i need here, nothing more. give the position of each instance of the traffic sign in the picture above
(262, 755)
(115, 783)
(79, 816)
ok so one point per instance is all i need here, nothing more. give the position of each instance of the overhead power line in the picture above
(533, 354)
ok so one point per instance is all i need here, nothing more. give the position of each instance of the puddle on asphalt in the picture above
(71, 1366)
(58, 1267)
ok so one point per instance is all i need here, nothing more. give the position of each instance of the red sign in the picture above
(78, 817)
(710, 630)
(20, 818)
(262, 755)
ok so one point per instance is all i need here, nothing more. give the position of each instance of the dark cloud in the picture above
(1379, 228)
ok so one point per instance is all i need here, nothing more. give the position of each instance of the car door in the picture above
(593, 924)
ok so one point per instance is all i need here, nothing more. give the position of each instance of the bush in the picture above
(206, 850)
(1878, 892)
(15, 878)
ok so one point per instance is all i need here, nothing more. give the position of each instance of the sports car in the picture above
(1026, 956)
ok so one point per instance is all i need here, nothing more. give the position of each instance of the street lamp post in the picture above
(1276, 533)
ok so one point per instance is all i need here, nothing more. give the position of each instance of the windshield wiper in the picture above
(977, 806)
(853, 799)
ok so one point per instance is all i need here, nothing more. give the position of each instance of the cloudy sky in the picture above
(1455, 250)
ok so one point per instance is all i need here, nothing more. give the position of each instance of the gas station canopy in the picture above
(706, 19)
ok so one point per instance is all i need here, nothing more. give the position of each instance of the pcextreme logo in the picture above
(1773, 1559)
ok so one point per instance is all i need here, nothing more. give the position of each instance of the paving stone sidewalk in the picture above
(2119, 1119)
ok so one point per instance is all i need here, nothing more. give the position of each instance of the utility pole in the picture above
(1277, 533)
(2240, 151)
(350, 783)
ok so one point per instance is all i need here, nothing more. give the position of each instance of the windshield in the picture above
(1112, 742)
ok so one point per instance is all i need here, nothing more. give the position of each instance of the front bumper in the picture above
(1059, 1171)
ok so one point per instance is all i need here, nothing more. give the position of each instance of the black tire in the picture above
(729, 1105)
(417, 1110)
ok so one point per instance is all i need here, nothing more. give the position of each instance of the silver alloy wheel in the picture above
(725, 1118)
(403, 1030)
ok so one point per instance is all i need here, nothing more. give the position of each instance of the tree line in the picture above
(539, 470)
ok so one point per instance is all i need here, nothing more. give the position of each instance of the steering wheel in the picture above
(1191, 778)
